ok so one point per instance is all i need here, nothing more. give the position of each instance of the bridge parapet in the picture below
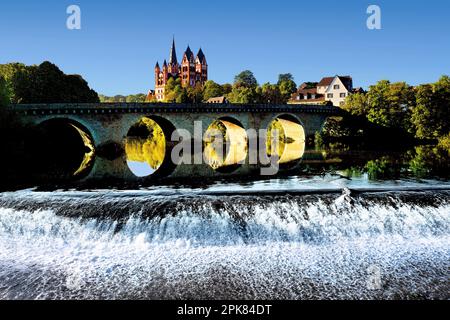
(145, 108)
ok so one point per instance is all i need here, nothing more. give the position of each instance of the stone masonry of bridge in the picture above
(109, 123)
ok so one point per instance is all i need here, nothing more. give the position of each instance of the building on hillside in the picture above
(150, 95)
(219, 100)
(358, 90)
(330, 90)
(307, 94)
(192, 70)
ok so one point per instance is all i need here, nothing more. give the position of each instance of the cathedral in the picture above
(192, 70)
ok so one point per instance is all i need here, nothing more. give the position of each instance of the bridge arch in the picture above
(230, 151)
(286, 138)
(108, 125)
(60, 149)
(148, 147)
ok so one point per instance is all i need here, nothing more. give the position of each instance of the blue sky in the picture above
(120, 41)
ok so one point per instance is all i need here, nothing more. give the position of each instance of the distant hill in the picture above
(140, 97)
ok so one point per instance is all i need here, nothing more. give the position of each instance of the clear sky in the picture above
(120, 41)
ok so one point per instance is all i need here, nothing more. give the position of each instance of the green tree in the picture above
(172, 90)
(245, 79)
(285, 77)
(270, 93)
(17, 80)
(195, 94)
(431, 113)
(243, 95)
(227, 88)
(45, 83)
(287, 86)
(244, 89)
(390, 105)
(444, 143)
(356, 104)
(10, 126)
(103, 98)
(4, 94)
(138, 98)
(430, 161)
(77, 90)
(212, 90)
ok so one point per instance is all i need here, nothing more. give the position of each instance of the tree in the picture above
(431, 113)
(195, 94)
(4, 94)
(270, 93)
(444, 143)
(77, 90)
(285, 77)
(245, 79)
(243, 95)
(212, 90)
(227, 88)
(389, 104)
(356, 104)
(17, 80)
(442, 100)
(287, 86)
(244, 89)
(8, 120)
(45, 83)
(174, 92)
(138, 98)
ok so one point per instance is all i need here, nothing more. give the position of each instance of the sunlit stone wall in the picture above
(109, 126)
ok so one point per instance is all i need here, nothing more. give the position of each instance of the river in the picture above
(298, 237)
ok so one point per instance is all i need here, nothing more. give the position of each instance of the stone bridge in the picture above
(108, 125)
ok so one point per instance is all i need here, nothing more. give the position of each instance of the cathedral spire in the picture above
(201, 55)
(189, 53)
(173, 54)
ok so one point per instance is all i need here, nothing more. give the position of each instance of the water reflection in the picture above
(57, 149)
(430, 161)
(421, 162)
(290, 140)
(89, 152)
(145, 147)
(225, 144)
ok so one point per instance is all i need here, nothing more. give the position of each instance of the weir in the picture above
(107, 125)
(209, 246)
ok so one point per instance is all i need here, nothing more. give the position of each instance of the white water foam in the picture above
(284, 250)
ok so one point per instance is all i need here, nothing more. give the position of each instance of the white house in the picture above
(330, 89)
(335, 89)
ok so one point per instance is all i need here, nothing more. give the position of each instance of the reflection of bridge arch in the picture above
(289, 117)
(233, 151)
(288, 133)
(61, 148)
(148, 142)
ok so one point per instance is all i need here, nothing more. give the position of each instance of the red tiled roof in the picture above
(346, 80)
(325, 82)
(306, 91)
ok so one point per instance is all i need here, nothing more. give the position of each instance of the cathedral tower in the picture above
(192, 70)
